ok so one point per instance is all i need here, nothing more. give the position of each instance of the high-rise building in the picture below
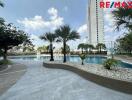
(95, 22)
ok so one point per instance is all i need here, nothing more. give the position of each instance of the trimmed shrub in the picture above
(109, 63)
(83, 57)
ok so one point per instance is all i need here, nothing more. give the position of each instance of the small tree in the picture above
(100, 46)
(82, 47)
(123, 18)
(91, 47)
(65, 34)
(109, 63)
(10, 37)
(50, 37)
(67, 49)
(88, 47)
(85, 47)
(125, 43)
(83, 57)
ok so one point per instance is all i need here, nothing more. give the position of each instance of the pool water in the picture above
(90, 59)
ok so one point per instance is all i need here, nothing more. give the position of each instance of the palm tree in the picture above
(123, 17)
(91, 47)
(64, 34)
(67, 49)
(100, 46)
(50, 37)
(83, 57)
(88, 47)
(82, 47)
(125, 43)
(85, 47)
(1, 4)
(1, 19)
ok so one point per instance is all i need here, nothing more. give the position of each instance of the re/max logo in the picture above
(108, 4)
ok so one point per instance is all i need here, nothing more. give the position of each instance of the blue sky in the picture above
(39, 16)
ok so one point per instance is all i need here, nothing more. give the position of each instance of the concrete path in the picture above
(40, 83)
(9, 76)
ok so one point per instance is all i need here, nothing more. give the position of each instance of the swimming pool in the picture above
(71, 58)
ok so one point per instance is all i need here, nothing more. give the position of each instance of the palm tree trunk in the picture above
(89, 50)
(100, 49)
(51, 52)
(5, 54)
(82, 50)
(64, 44)
(82, 62)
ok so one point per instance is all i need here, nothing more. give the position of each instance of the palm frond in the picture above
(1, 21)
(65, 33)
(73, 35)
(123, 18)
(101, 45)
(81, 46)
(48, 37)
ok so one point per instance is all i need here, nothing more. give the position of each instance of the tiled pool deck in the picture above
(40, 83)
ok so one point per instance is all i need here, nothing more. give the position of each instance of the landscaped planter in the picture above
(94, 73)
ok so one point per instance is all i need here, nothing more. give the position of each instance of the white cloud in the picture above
(32, 23)
(36, 40)
(34, 37)
(38, 22)
(112, 36)
(82, 29)
(39, 25)
(53, 12)
(109, 18)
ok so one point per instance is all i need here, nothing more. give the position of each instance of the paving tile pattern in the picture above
(40, 83)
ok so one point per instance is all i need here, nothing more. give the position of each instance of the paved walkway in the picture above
(9, 76)
(40, 83)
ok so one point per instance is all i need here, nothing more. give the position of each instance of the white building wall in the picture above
(95, 22)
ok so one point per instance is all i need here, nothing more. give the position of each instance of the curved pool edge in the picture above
(118, 85)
